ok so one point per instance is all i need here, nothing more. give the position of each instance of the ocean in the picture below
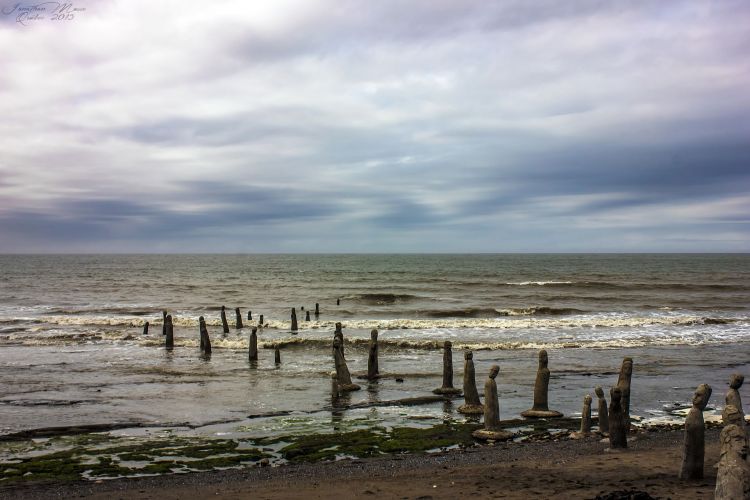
(72, 349)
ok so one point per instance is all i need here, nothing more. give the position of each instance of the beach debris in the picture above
(249, 315)
(170, 332)
(472, 405)
(373, 370)
(618, 433)
(338, 302)
(541, 389)
(602, 411)
(294, 320)
(623, 382)
(205, 340)
(317, 310)
(145, 328)
(342, 371)
(276, 355)
(260, 322)
(253, 345)
(164, 322)
(224, 323)
(447, 387)
(339, 334)
(695, 429)
(733, 395)
(307, 315)
(492, 428)
(733, 474)
(238, 323)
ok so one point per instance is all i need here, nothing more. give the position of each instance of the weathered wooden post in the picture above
(224, 323)
(602, 411)
(618, 432)
(205, 339)
(260, 321)
(277, 355)
(373, 370)
(294, 320)
(623, 382)
(339, 334)
(253, 348)
(317, 309)
(492, 428)
(338, 302)
(238, 324)
(307, 315)
(164, 322)
(145, 328)
(170, 332)
(249, 315)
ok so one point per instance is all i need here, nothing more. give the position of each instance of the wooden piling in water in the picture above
(249, 315)
(170, 332)
(253, 346)
(307, 315)
(317, 309)
(205, 339)
(294, 320)
(238, 324)
(164, 322)
(224, 323)
(145, 328)
(260, 322)
(277, 355)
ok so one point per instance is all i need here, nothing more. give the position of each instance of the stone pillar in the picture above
(373, 371)
(618, 433)
(447, 387)
(733, 474)
(472, 405)
(695, 443)
(294, 320)
(170, 332)
(224, 323)
(491, 411)
(253, 346)
(541, 390)
(145, 328)
(602, 412)
(238, 324)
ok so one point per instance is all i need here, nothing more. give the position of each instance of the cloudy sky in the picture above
(388, 126)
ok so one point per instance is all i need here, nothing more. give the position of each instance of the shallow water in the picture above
(72, 350)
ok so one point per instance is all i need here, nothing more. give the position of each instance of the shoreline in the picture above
(544, 469)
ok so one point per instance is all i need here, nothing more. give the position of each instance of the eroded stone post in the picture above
(472, 404)
(447, 387)
(733, 474)
(491, 411)
(540, 409)
(694, 448)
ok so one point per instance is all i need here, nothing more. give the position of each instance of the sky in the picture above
(388, 126)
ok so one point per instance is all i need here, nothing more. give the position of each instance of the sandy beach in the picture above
(564, 469)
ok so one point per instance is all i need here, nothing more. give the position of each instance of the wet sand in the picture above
(566, 469)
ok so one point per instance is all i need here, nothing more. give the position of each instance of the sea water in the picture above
(72, 350)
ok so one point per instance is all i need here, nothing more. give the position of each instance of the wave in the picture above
(381, 298)
(493, 313)
(604, 285)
